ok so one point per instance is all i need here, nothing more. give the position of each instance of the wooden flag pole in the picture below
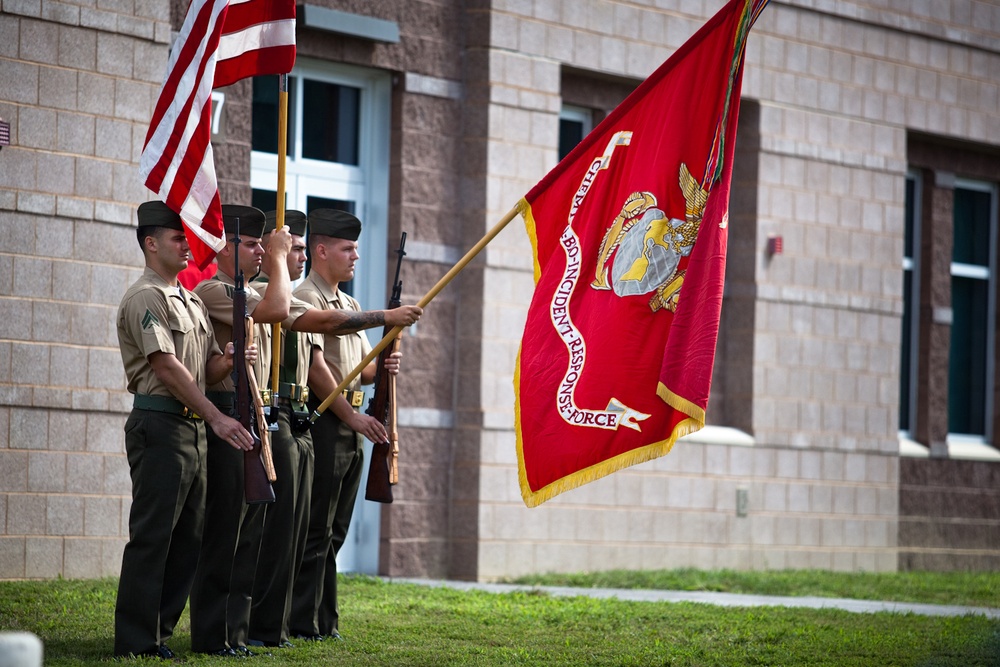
(279, 209)
(389, 337)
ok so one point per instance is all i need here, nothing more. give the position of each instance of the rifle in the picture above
(257, 474)
(382, 471)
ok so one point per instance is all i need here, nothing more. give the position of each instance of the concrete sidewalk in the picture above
(721, 599)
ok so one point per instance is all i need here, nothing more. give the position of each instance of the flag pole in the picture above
(441, 284)
(279, 209)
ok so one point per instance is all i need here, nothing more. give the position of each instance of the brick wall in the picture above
(949, 514)
(806, 509)
(77, 82)
(810, 340)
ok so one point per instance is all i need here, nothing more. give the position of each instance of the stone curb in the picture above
(720, 599)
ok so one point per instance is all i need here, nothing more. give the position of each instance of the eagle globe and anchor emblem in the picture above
(642, 249)
(640, 254)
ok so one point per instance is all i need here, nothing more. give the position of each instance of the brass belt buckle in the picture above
(265, 396)
(297, 392)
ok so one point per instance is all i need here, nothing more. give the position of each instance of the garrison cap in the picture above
(335, 223)
(295, 221)
(251, 220)
(157, 214)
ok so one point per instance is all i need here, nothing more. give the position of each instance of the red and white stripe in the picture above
(258, 38)
(250, 37)
(176, 161)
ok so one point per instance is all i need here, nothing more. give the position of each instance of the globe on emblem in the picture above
(644, 259)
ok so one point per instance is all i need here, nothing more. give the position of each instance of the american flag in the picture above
(221, 42)
(258, 38)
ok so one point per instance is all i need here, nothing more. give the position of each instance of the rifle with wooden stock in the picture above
(258, 469)
(383, 471)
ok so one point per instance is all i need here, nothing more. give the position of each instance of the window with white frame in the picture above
(910, 338)
(337, 154)
(973, 289)
(574, 124)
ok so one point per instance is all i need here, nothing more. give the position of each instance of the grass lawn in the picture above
(404, 624)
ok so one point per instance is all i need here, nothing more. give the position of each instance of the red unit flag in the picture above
(629, 238)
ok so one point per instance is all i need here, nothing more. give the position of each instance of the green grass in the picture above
(397, 624)
(977, 589)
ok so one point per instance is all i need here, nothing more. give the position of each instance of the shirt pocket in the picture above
(180, 323)
(181, 327)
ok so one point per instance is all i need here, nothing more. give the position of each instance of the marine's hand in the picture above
(280, 242)
(392, 363)
(276, 253)
(251, 354)
(368, 426)
(403, 316)
(232, 432)
(228, 353)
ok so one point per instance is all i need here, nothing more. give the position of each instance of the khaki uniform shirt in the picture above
(217, 295)
(155, 317)
(296, 309)
(342, 353)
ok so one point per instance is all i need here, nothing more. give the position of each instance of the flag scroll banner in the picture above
(629, 237)
(251, 37)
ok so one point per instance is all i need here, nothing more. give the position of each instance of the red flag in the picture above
(191, 275)
(176, 161)
(616, 358)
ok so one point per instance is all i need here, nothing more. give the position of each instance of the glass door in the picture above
(338, 157)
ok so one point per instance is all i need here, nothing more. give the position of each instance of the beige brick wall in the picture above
(838, 86)
(810, 340)
(806, 509)
(77, 82)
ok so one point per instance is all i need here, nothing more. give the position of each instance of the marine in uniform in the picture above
(285, 524)
(169, 353)
(337, 434)
(221, 594)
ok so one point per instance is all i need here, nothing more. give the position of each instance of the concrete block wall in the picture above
(831, 92)
(438, 164)
(836, 86)
(805, 509)
(77, 84)
(949, 514)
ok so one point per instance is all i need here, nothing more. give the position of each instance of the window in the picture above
(911, 302)
(947, 351)
(338, 155)
(264, 132)
(574, 124)
(970, 356)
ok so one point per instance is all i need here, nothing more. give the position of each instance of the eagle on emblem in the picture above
(642, 249)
